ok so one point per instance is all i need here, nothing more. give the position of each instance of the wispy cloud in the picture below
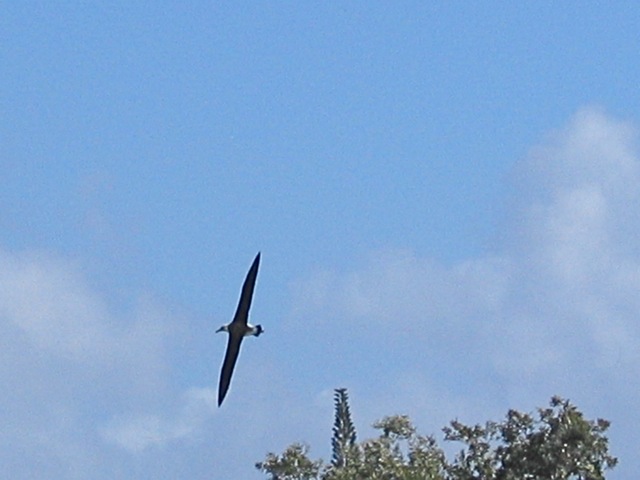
(568, 263)
(68, 364)
(49, 302)
(137, 433)
(576, 269)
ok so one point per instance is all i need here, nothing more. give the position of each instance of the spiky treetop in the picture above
(344, 433)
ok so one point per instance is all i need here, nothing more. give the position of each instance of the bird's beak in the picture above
(221, 329)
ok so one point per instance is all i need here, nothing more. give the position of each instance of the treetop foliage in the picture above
(555, 443)
(344, 433)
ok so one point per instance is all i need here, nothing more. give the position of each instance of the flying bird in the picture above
(238, 329)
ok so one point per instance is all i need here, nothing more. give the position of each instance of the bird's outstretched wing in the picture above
(242, 313)
(233, 348)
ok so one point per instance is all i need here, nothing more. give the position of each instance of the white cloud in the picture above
(573, 252)
(137, 433)
(398, 286)
(68, 363)
(565, 271)
(48, 302)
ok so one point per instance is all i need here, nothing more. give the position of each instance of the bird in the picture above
(238, 329)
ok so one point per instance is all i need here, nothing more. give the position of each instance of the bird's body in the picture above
(238, 329)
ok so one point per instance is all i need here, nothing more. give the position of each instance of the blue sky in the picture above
(445, 196)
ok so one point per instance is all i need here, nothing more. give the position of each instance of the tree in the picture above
(344, 433)
(558, 443)
(293, 464)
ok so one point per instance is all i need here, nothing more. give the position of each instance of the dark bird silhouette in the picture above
(238, 329)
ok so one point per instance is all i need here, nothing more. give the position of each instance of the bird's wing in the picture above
(233, 348)
(242, 313)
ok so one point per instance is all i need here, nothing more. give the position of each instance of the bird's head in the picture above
(223, 328)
